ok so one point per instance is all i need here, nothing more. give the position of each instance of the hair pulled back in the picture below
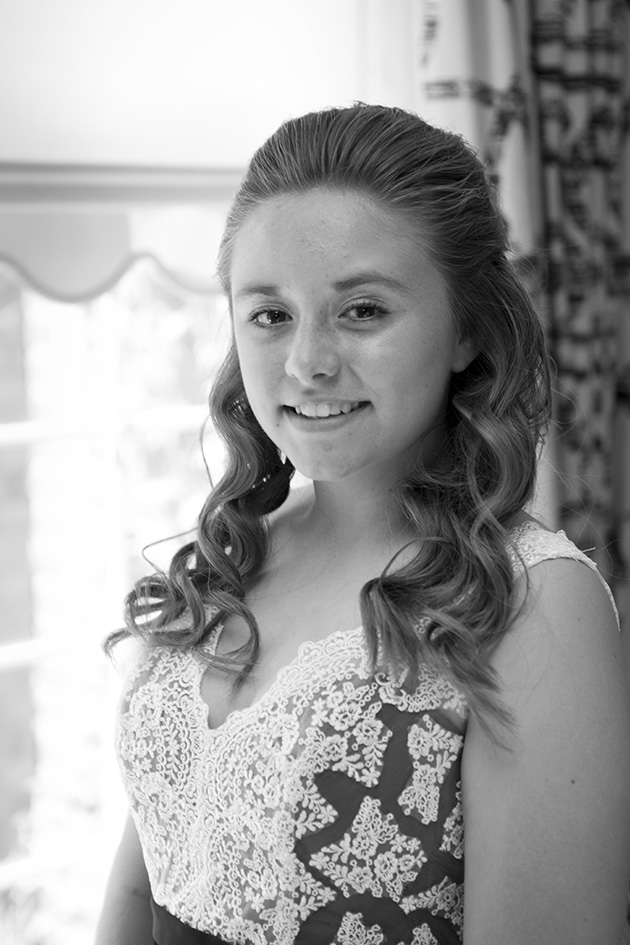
(453, 601)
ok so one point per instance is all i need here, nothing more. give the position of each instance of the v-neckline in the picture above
(302, 655)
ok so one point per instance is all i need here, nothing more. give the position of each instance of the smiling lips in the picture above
(327, 410)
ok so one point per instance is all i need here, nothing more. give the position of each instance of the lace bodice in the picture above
(329, 811)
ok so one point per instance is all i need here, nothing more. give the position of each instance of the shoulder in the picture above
(535, 551)
(558, 794)
(530, 542)
(566, 624)
(565, 632)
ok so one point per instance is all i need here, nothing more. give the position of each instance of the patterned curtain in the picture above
(542, 89)
(581, 59)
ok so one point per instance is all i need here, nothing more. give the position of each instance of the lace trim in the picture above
(531, 545)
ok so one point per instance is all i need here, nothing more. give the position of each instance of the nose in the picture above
(313, 352)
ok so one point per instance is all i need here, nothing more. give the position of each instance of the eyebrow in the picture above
(370, 278)
(343, 285)
(250, 290)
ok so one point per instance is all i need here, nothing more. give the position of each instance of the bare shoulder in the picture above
(566, 623)
(548, 821)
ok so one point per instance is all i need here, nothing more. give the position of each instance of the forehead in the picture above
(327, 227)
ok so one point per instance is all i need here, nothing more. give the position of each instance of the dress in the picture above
(329, 811)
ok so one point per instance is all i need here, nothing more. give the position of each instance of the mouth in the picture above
(310, 411)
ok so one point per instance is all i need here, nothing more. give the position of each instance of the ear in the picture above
(465, 352)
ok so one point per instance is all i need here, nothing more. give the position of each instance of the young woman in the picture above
(354, 699)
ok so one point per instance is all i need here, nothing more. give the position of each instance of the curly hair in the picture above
(452, 602)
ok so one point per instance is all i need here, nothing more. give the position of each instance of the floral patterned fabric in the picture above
(328, 811)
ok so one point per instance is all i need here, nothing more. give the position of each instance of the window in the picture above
(102, 399)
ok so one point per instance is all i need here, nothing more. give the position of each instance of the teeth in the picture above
(326, 410)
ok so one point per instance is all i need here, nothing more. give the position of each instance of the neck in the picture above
(356, 516)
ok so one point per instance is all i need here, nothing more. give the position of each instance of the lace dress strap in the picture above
(531, 544)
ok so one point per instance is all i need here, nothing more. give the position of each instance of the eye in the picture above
(364, 311)
(268, 317)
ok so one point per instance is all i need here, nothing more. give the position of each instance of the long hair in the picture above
(452, 602)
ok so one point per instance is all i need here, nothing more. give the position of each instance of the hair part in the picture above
(453, 602)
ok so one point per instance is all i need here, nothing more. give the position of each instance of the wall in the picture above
(171, 82)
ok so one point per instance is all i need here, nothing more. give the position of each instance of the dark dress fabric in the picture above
(168, 930)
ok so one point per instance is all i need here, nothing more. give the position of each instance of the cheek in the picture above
(420, 381)
(259, 385)
(421, 361)
(250, 362)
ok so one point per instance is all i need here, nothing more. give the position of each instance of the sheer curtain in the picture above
(102, 400)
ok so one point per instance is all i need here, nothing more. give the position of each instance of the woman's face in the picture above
(344, 334)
